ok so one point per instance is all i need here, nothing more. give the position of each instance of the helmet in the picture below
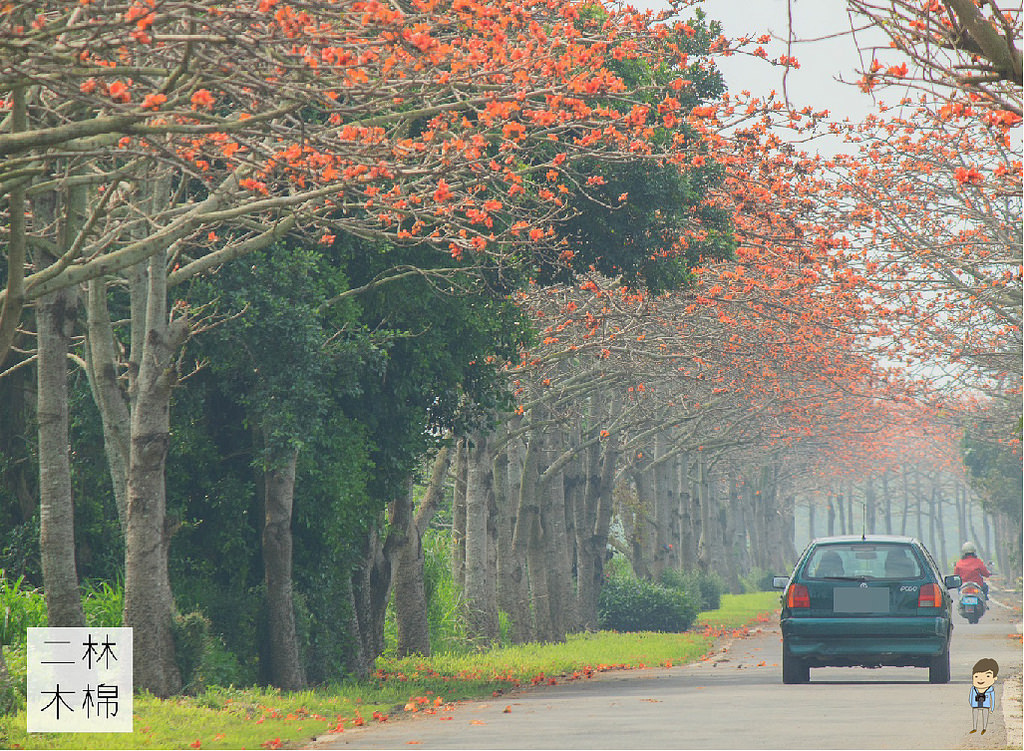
(969, 548)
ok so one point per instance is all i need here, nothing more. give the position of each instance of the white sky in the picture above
(821, 62)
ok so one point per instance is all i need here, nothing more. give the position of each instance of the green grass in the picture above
(736, 609)
(256, 718)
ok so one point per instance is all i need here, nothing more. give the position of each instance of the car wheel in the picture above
(972, 619)
(794, 670)
(938, 671)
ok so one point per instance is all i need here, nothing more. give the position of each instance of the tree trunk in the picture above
(939, 551)
(851, 524)
(513, 584)
(870, 503)
(788, 526)
(641, 541)
(56, 511)
(590, 545)
(562, 598)
(148, 603)
(754, 527)
(664, 498)
(831, 517)
(356, 660)
(960, 495)
(481, 604)
(775, 535)
(529, 528)
(575, 487)
(687, 539)
(459, 518)
(704, 542)
(906, 503)
(986, 524)
(932, 523)
(736, 537)
(919, 503)
(279, 482)
(371, 589)
(886, 503)
(102, 368)
(410, 598)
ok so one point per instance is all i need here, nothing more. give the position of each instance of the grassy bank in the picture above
(260, 718)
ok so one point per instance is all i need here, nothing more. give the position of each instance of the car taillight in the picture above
(930, 596)
(798, 596)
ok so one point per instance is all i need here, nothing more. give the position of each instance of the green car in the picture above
(866, 601)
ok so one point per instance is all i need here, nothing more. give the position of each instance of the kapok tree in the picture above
(169, 138)
(933, 203)
(960, 49)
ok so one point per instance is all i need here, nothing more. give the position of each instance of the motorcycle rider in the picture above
(970, 568)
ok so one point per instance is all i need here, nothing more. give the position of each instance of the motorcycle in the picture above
(973, 601)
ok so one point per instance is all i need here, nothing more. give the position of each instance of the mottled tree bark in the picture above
(149, 605)
(513, 580)
(410, 597)
(589, 548)
(886, 503)
(459, 517)
(687, 521)
(556, 543)
(108, 393)
(529, 527)
(56, 511)
(279, 495)
(371, 584)
(641, 539)
(480, 594)
(55, 315)
(735, 537)
(870, 505)
(663, 493)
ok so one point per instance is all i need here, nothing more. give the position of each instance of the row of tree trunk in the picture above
(913, 502)
(541, 503)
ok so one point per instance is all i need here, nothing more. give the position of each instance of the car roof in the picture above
(865, 538)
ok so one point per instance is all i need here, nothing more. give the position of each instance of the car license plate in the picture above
(970, 600)
(860, 599)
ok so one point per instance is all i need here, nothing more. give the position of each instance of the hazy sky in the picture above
(821, 62)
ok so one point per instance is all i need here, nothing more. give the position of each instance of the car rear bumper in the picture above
(866, 641)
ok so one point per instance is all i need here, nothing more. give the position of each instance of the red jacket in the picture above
(971, 569)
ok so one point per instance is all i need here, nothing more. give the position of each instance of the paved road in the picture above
(736, 700)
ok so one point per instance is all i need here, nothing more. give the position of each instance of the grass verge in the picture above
(256, 718)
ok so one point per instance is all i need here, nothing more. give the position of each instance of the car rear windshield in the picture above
(863, 560)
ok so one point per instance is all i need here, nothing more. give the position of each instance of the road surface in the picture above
(737, 700)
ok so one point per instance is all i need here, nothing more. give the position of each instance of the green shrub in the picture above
(104, 605)
(202, 658)
(20, 609)
(13, 692)
(758, 580)
(618, 566)
(628, 604)
(706, 587)
(444, 614)
(19, 549)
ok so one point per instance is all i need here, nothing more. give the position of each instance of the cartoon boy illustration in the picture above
(983, 692)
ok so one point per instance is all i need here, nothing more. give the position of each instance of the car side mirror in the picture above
(953, 582)
(780, 582)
